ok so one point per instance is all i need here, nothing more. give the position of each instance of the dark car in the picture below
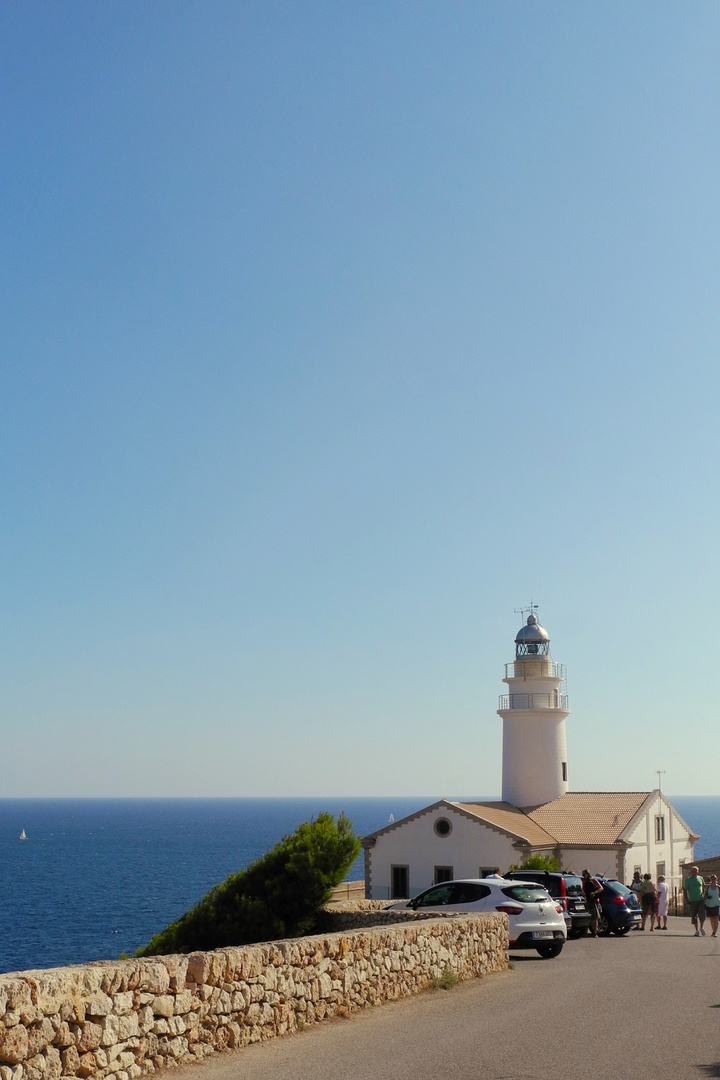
(619, 908)
(566, 889)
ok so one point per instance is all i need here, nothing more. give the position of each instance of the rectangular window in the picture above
(399, 882)
(637, 869)
(659, 869)
(659, 829)
(564, 768)
(486, 871)
(443, 873)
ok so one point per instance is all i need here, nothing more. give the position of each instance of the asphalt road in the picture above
(643, 1006)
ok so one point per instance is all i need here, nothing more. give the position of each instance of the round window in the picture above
(443, 827)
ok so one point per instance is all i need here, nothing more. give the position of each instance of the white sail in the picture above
(22, 835)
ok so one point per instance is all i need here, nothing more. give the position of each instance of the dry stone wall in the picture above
(128, 1018)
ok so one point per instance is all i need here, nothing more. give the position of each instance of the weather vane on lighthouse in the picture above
(531, 610)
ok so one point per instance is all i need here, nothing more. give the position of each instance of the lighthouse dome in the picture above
(532, 639)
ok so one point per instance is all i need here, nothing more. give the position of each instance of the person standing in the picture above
(647, 901)
(592, 890)
(635, 887)
(712, 903)
(662, 901)
(693, 891)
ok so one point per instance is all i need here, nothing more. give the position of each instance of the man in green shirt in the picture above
(693, 889)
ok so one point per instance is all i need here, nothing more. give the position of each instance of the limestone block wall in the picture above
(128, 1018)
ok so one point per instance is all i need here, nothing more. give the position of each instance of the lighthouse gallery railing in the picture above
(533, 701)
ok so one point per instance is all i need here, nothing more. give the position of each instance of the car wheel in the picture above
(620, 930)
(553, 948)
(604, 925)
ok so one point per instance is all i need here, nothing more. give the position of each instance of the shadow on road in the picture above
(710, 1070)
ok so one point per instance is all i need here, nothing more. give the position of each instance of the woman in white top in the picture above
(712, 903)
(662, 902)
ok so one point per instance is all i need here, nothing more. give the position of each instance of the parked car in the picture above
(620, 908)
(566, 889)
(535, 920)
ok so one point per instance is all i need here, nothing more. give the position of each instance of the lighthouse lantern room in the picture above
(534, 762)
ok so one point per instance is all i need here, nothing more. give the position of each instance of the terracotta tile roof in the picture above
(588, 817)
(510, 819)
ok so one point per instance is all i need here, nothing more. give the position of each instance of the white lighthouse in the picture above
(534, 762)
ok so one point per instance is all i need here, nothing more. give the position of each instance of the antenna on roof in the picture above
(660, 772)
(531, 610)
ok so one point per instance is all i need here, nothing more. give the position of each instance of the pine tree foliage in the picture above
(277, 896)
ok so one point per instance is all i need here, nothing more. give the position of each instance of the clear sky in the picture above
(333, 332)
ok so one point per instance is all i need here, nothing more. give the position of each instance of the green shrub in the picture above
(537, 862)
(277, 896)
(447, 980)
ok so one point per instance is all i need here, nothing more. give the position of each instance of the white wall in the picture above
(646, 852)
(470, 846)
(534, 749)
(601, 862)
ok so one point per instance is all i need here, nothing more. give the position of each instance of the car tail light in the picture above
(558, 909)
(509, 909)
(563, 889)
(618, 899)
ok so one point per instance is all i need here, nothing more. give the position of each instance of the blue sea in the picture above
(98, 877)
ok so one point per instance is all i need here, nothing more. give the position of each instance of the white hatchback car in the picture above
(536, 921)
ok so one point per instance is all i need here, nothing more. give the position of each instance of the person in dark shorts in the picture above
(712, 903)
(693, 891)
(647, 901)
(592, 890)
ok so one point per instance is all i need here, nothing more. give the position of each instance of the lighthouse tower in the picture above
(534, 764)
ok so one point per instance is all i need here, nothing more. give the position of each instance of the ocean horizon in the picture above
(98, 877)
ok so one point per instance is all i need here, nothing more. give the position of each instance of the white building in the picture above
(612, 833)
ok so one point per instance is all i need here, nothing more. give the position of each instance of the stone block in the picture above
(128, 1027)
(123, 1003)
(110, 1028)
(183, 1002)
(177, 1047)
(14, 1046)
(98, 1005)
(90, 1037)
(70, 1060)
(163, 1005)
(39, 1036)
(177, 967)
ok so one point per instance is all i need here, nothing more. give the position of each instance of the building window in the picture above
(564, 768)
(659, 869)
(659, 829)
(399, 882)
(486, 871)
(442, 826)
(442, 873)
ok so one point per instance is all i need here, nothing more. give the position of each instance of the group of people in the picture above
(653, 900)
(702, 899)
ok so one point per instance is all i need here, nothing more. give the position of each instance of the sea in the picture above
(96, 878)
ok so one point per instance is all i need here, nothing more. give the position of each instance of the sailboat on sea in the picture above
(23, 835)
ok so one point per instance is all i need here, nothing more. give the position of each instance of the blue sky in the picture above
(334, 332)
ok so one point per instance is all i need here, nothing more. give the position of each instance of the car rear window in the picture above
(527, 894)
(619, 888)
(573, 886)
